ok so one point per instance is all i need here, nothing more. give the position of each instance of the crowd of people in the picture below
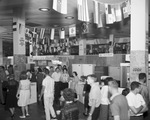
(58, 91)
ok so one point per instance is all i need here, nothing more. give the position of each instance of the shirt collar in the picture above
(95, 84)
(112, 97)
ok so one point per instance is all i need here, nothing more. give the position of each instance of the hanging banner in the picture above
(72, 31)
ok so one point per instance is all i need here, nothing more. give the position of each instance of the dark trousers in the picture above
(57, 92)
(1, 93)
(136, 117)
(104, 112)
(95, 114)
(63, 85)
(86, 100)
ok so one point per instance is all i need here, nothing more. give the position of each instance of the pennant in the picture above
(84, 28)
(109, 14)
(83, 13)
(62, 33)
(72, 31)
(60, 6)
(129, 6)
(111, 42)
(42, 33)
(52, 34)
(34, 32)
(118, 13)
(27, 31)
(97, 13)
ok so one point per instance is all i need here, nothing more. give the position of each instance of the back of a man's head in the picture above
(94, 77)
(46, 71)
(142, 76)
(135, 85)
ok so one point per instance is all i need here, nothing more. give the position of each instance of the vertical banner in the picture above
(111, 42)
(72, 31)
(52, 34)
(62, 33)
(83, 13)
(60, 6)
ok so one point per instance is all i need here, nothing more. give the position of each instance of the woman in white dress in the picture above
(24, 94)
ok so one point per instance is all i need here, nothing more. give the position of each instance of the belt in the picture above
(137, 116)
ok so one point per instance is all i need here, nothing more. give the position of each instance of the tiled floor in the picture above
(36, 113)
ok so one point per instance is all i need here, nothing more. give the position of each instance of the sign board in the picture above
(106, 55)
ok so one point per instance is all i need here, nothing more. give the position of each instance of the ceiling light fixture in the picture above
(69, 17)
(44, 9)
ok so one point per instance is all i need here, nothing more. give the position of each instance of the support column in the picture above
(19, 41)
(139, 38)
(82, 47)
(1, 51)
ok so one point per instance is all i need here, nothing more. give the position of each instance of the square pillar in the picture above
(139, 38)
(19, 41)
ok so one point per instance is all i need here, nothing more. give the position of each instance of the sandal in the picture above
(27, 115)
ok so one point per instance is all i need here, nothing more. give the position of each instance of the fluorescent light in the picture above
(69, 17)
(44, 9)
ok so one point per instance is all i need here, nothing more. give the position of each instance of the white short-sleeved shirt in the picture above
(135, 101)
(95, 94)
(56, 76)
(104, 95)
(48, 83)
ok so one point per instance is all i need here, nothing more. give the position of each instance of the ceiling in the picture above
(37, 18)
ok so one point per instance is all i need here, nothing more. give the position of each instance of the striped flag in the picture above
(97, 13)
(52, 34)
(60, 6)
(42, 33)
(109, 14)
(34, 32)
(118, 13)
(83, 13)
(62, 33)
(72, 31)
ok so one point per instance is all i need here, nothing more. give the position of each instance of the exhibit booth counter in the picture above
(33, 98)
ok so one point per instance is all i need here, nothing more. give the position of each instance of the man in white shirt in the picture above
(136, 102)
(48, 91)
(94, 97)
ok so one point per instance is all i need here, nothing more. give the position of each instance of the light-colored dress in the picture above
(24, 97)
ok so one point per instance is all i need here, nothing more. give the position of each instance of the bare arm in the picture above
(42, 92)
(145, 108)
(136, 110)
(92, 108)
(18, 91)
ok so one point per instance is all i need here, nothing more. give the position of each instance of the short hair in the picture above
(93, 76)
(135, 85)
(113, 83)
(125, 91)
(65, 69)
(56, 68)
(68, 94)
(51, 67)
(46, 71)
(142, 76)
(39, 70)
(75, 73)
(107, 80)
(23, 75)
